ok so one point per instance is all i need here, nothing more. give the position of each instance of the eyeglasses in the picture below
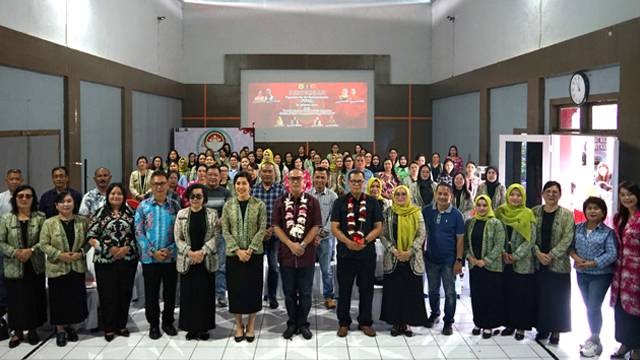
(401, 194)
(24, 196)
(159, 183)
(196, 196)
(356, 181)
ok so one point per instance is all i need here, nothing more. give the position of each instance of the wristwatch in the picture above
(460, 260)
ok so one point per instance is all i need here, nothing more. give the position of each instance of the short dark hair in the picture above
(242, 174)
(187, 194)
(214, 166)
(444, 185)
(60, 197)
(552, 183)
(321, 169)
(593, 200)
(140, 158)
(63, 168)
(14, 203)
(159, 173)
(14, 171)
(173, 172)
(355, 172)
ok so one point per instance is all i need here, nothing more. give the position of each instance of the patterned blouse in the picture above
(111, 231)
(626, 278)
(388, 184)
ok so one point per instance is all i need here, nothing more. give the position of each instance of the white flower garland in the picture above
(295, 228)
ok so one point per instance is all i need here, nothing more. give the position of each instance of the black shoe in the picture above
(395, 330)
(4, 330)
(61, 339)
(554, 339)
(407, 331)
(204, 336)
(508, 332)
(15, 342)
(154, 333)
(241, 337)
(191, 336)
(476, 331)
(542, 336)
(170, 330)
(72, 335)
(109, 337)
(305, 332)
(432, 320)
(486, 333)
(249, 339)
(123, 332)
(288, 333)
(273, 304)
(222, 302)
(621, 353)
(33, 337)
(447, 329)
(520, 335)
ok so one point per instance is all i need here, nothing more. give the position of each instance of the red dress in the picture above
(626, 278)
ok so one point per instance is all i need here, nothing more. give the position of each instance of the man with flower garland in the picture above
(356, 221)
(296, 222)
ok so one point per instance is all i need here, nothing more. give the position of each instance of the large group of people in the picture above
(211, 219)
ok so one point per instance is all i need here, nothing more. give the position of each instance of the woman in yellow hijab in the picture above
(484, 242)
(403, 236)
(374, 189)
(519, 277)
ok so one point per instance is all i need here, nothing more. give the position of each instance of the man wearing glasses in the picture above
(296, 222)
(154, 222)
(356, 221)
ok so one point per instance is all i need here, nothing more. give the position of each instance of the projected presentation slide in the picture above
(316, 106)
(309, 105)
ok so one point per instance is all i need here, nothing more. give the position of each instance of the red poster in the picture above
(308, 105)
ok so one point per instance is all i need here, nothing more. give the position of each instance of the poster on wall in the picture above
(198, 140)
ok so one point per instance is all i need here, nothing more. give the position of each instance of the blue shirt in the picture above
(268, 197)
(154, 228)
(443, 228)
(599, 246)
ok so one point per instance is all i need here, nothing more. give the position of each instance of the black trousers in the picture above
(361, 269)
(154, 276)
(297, 284)
(115, 286)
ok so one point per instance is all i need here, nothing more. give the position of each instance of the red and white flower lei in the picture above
(356, 234)
(295, 228)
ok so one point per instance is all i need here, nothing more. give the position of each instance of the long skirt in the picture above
(197, 300)
(627, 327)
(244, 284)
(27, 300)
(402, 297)
(520, 299)
(487, 299)
(68, 299)
(553, 302)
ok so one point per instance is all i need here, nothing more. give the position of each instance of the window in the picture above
(598, 115)
(604, 117)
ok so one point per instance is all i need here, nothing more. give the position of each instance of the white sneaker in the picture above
(591, 349)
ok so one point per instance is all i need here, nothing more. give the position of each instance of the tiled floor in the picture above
(425, 344)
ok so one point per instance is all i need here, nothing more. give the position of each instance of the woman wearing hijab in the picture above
(492, 187)
(402, 169)
(461, 198)
(374, 189)
(484, 243)
(424, 188)
(376, 165)
(336, 175)
(519, 270)
(554, 234)
(403, 236)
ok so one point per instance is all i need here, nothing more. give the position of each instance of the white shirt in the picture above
(5, 202)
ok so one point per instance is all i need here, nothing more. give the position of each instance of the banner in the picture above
(198, 140)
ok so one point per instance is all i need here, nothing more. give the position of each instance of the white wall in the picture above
(125, 31)
(402, 31)
(489, 31)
